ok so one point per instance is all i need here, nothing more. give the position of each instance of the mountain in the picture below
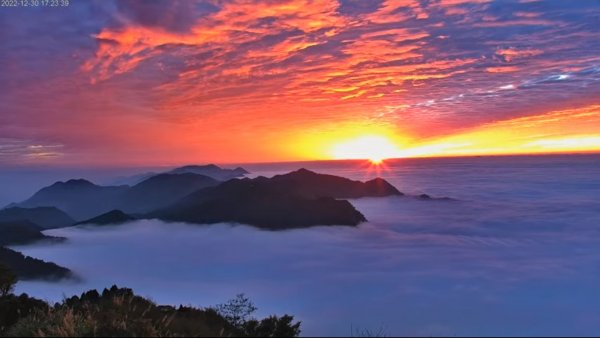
(310, 184)
(162, 190)
(25, 232)
(21, 232)
(275, 212)
(111, 217)
(31, 268)
(299, 199)
(134, 179)
(83, 199)
(211, 170)
(45, 217)
(79, 198)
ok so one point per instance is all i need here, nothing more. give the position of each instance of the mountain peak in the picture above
(198, 167)
(241, 170)
(79, 182)
(111, 217)
(210, 170)
(303, 171)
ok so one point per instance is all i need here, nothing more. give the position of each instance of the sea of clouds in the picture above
(515, 253)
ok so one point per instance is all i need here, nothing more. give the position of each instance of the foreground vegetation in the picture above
(118, 312)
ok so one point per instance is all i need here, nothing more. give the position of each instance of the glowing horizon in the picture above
(174, 82)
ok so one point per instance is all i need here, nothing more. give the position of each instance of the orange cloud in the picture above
(388, 11)
(502, 69)
(510, 54)
(576, 129)
(121, 50)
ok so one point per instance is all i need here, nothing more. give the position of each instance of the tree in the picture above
(272, 326)
(7, 281)
(237, 311)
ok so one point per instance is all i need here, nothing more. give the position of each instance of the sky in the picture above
(134, 83)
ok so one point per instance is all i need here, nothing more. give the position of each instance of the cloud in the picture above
(192, 70)
(510, 54)
(575, 143)
(25, 151)
(495, 253)
(572, 130)
(502, 69)
(177, 16)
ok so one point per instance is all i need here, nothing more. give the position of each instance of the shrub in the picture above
(13, 309)
(272, 326)
(118, 312)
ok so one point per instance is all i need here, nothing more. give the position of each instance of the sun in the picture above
(373, 148)
(376, 160)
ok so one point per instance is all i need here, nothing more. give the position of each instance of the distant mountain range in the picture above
(210, 170)
(82, 199)
(298, 199)
(46, 217)
(78, 197)
(193, 194)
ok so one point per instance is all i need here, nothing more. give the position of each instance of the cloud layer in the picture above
(504, 259)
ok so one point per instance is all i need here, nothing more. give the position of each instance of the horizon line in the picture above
(179, 164)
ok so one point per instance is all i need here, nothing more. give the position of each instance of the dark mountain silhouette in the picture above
(45, 217)
(298, 199)
(134, 179)
(276, 212)
(211, 170)
(21, 232)
(111, 217)
(162, 190)
(84, 200)
(310, 184)
(31, 268)
(79, 198)
(25, 232)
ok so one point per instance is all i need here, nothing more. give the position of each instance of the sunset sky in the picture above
(172, 82)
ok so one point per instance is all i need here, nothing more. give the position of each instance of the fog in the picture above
(516, 253)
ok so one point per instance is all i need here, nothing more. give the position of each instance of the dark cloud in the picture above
(172, 15)
(357, 7)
